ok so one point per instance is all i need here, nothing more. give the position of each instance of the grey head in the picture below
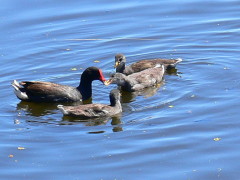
(125, 82)
(120, 79)
(114, 97)
(120, 62)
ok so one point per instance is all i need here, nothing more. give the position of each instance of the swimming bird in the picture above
(95, 110)
(39, 91)
(140, 80)
(120, 64)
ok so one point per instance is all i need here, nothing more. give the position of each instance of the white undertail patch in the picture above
(21, 95)
(61, 108)
(162, 66)
(158, 65)
(179, 59)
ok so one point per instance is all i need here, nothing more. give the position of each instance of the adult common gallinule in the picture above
(50, 92)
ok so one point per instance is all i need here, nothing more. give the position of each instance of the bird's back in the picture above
(47, 91)
(87, 110)
(150, 63)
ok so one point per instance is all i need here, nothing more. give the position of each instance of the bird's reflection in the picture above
(171, 71)
(36, 109)
(128, 97)
(116, 122)
(41, 108)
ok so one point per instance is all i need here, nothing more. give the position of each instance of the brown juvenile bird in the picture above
(120, 64)
(139, 80)
(95, 110)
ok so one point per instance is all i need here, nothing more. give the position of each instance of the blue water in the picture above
(187, 128)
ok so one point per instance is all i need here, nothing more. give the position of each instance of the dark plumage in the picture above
(140, 80)
(120, 64)
(50, 92)
(95, 110)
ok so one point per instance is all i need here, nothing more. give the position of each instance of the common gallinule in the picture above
(120, 64)
(95, 110)
(140, 80)
(50, 92)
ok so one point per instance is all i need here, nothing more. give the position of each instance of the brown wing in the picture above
(141, 65)
(145, 64)
(88, 110)
(38, 87)
(48, 91)
(146, 78)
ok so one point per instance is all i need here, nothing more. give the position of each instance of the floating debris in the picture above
(217, 139)
(21, 148)
(16, 121)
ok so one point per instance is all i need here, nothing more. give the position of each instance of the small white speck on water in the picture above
(16, 121)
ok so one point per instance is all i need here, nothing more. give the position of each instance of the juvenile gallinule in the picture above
(120, 64)
(50, 92)
(95, 110)
(140, 80)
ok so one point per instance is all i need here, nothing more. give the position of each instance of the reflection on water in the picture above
(128, 97)
(66, 120)
(40, 109)
(36, 109)
(115, 122)
(172, 71)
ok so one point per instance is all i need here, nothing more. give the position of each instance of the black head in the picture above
(90, 74)
(93, 73)
(114, 96)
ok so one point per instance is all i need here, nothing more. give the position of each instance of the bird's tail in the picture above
(61, 108)
(19, 93)
(160, 66)
(16, 85)
(179, 60)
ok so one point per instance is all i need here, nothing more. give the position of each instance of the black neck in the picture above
(121, 67)
(112, 101)
(85, 88)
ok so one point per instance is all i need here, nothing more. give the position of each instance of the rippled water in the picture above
(187, 128)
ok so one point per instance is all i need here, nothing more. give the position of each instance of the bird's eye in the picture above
(120, 59)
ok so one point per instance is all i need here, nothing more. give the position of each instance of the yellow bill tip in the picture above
(106, 83)
(116, 64)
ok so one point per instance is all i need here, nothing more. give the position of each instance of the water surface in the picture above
(187, 128)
